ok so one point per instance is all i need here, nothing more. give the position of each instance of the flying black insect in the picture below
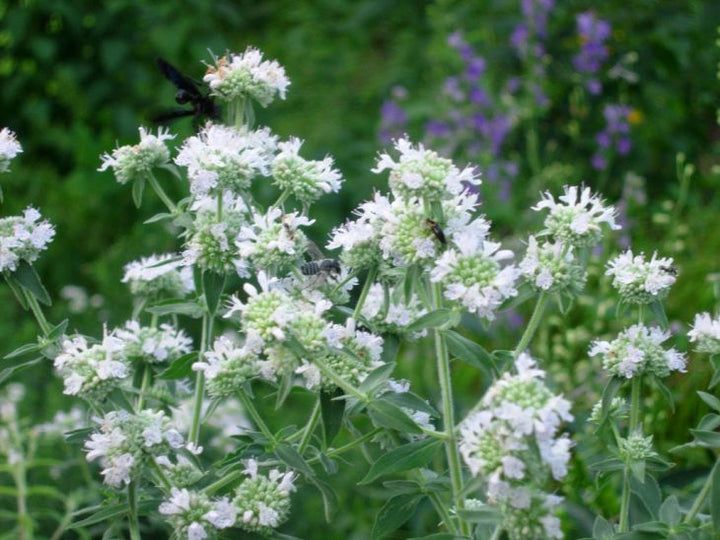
(436, 230)
(671, 270)
(188, 92)
(325, 266)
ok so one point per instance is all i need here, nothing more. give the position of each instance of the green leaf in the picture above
(606, 465)
(137, 191)
(213, 285)
(329, 497)
(78, 435)
(715, 379)
(16, 289)
(469, 351)
(292, 458)
(410, 284)
(107, 513)
(602, 529)
(670, 511)
(709, 438)
(709, 422)
(658, 311)
(609, 392)
(332, 414)
(711, 400)
(652, 527)
(284, 388)
(376, 378)
(715, 495)
(8, 372)
(486, 514)
(387, 415)
(637, 468)
(403, 458)
(409, 400)
(180, 367)
(57, 331)
(23, 350)
(648, 492)
(434, 319)
(176, 307)
(394, 513)
(665, 391)
(30, 281)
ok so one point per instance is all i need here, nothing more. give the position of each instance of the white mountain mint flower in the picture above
(638, 350)
(551, 267)
(9, 148)
(577, 217)
(247, 74)
(705, 333)
(640, 281)
(636, 447)
(127, 442)
(227, 366)
(263, 502)
(274, 240)
(183, 473)
(159, 275)
(359, 239)
(223, 158)
(406, 237)
(472, 276)
(92, 371)
(512, 439)
(193, 515)
(211, 239)
(136, 162)
(23, 238)
(306, 180)
(388, 313)
(153, 345)
(423, 173)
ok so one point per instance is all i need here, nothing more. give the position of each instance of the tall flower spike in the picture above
(577, 217)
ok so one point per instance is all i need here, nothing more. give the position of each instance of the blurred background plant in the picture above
(620, 95)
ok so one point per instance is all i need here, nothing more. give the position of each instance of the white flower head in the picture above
(9, 148)
(159, 274)
(263, 501)
(640, 281)
(135, 162)
(23, 238)
(152, 344)
(705, 333)
(551, 267)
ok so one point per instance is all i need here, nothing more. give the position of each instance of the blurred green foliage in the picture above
(78, 77)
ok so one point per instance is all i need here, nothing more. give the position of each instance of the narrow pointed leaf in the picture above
(213, 285)
(332, 414)
(403, 458)
(30, 281)
(394, 513)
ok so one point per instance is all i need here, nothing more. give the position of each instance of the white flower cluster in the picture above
(92, 371)
(136, 162)
(639, 281)
(577, 217)
(237, 75)
(9, 148)
(388, 313)
(551, 267)
(23, 238)
(227, 366)
(306, 180)
(263, 502)
(127, 442)
(359, 239)
(195, 516)
(513, 440)
(705, 333)
(159, 274)
(637, 351)
(153, 345)
(223, 158)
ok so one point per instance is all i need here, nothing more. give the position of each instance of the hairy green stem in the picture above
(636, 386)
(442, 359)
(200, 379)
(255, 415)
(369, 279)
(532, 325)
(38, 313)
(700, 499)
(310, 427)
(133, 514)
(143, 387)
(161, 193)
(625, 502)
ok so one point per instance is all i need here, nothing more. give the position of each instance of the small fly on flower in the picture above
(670, 270)
(188, 92)
(436, 230)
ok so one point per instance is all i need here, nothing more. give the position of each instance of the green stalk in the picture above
(161, 193)
(38, 313)
(143, 387)
(253, 412)
(532, 326)
(133, 515)
(161, 475)
(200, 379)
(635, 403)
(625, 502)
(442, 358)
(365, 290)
(310, 427)
(697, 504)
(24, 521)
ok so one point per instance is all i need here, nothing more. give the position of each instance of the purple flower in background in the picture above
(593, 34)
(615, 136)
(452, 89)
(393, 119)
(536, 13)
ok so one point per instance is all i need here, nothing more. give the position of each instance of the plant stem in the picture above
(700, 499)
(532, 325)
(281, 199)
(451, 449)
(133, 515)
(497, 533)
(635, 403)
(24, 521)
(253, 412)
(625, 502)
(365, 290)
(38, 312)
(310, 427)
(143, 387)
(161, 475)
(161, 193)
(200, 379)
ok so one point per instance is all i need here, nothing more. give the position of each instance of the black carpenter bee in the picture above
(188, 92)
(436, 230)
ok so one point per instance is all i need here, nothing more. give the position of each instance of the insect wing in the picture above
(182, 82)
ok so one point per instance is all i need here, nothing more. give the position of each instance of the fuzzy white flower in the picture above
(23, 238)
(305, 180)
(551, 267)
(577, 217)
(705, 333)
(136, 162)
(639, 281)
(154, 345)
(224, 158)
(159, 274)
(227, 366)
(263, 502)
(247, 73)
(388, 313)
(9, 148)
(359, 239)
(638, 350)
(422, 173)
(193, 515)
